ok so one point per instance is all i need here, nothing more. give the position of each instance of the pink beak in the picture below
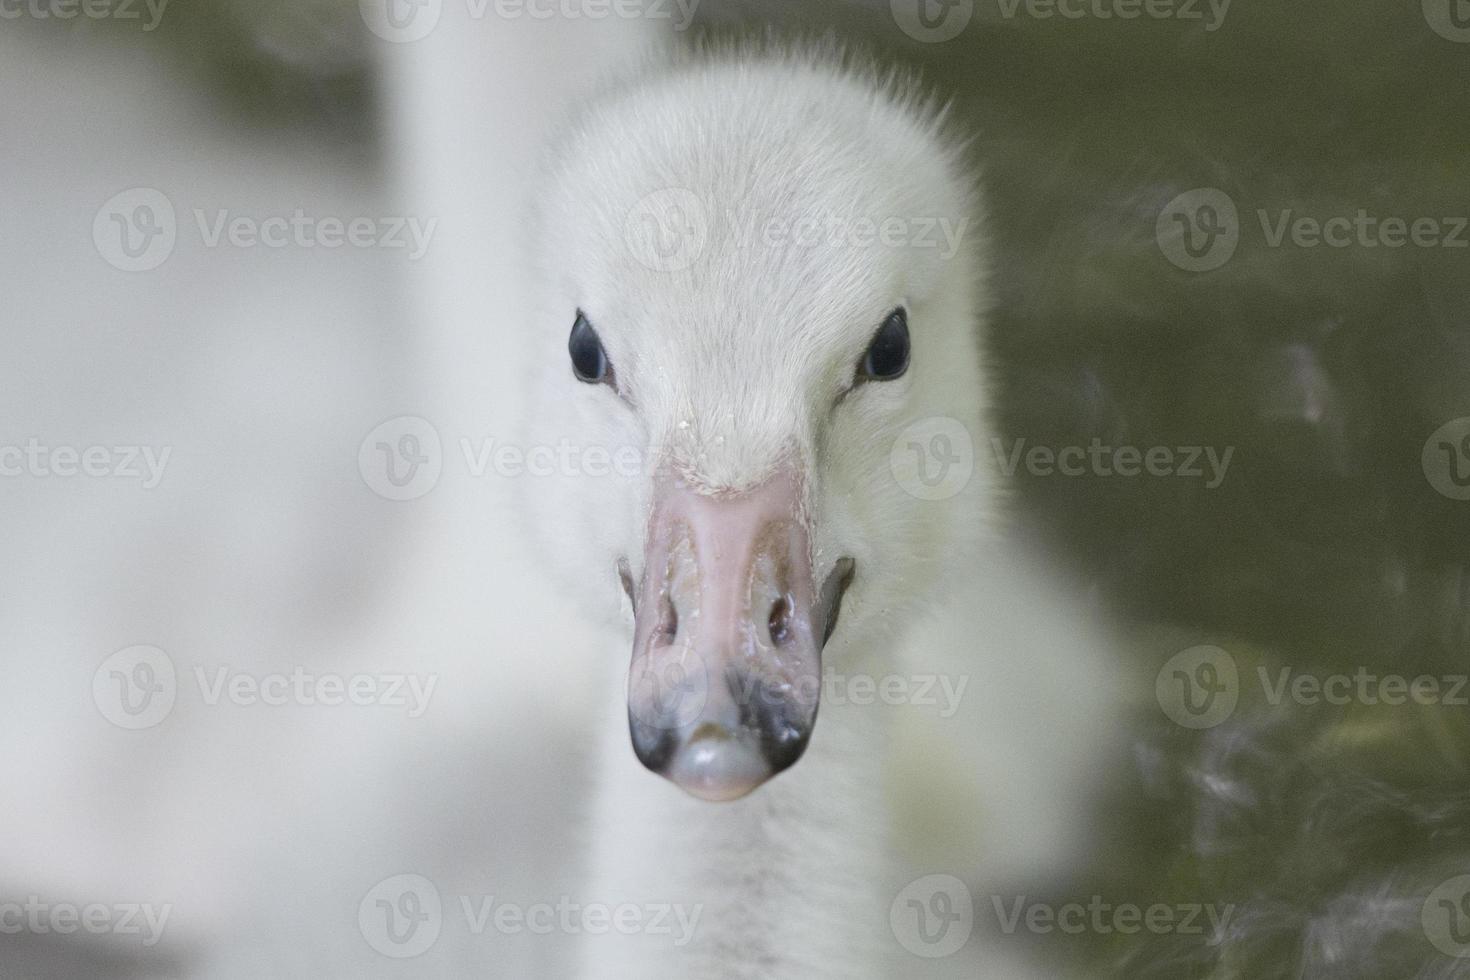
(729, 630)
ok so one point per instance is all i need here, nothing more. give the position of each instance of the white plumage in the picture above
(737, 226)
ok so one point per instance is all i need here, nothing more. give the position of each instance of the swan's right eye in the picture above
(589, 359)
(888, 353)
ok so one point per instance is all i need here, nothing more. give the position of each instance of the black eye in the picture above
(589, 360)
(888, 355)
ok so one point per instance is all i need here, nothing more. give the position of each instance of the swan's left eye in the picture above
(888, 353)
(589, 359)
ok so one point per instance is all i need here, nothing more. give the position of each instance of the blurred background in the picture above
(227, 521)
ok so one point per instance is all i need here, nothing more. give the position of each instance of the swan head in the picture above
(755, 275)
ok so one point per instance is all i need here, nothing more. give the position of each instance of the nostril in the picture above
(779, 622)
(668, 622)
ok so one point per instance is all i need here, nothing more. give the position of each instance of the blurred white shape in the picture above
(266, 555)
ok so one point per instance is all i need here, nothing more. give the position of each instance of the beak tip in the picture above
(718, 769)
(723, 794)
